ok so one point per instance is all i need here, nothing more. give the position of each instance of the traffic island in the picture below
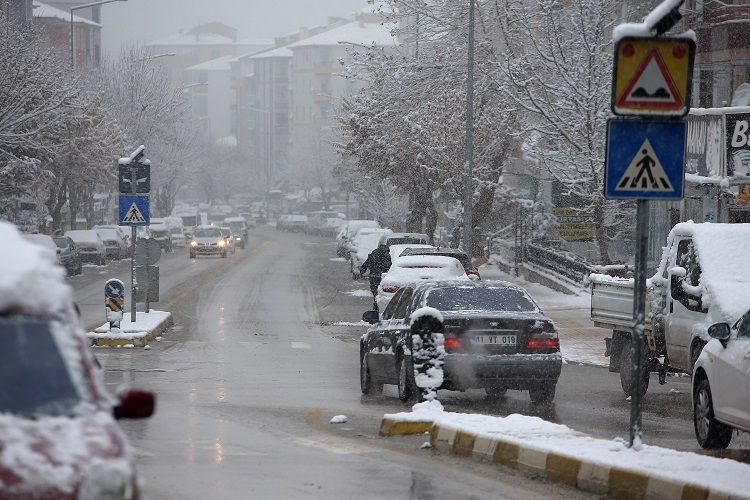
(147, 327)
(540, 448)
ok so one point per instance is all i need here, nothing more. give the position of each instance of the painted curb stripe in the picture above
(562, 468)
(463, 445)
(394, 428)
(507, 454)
(625, 483)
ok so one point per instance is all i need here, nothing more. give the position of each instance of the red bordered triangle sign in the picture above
(651, 86)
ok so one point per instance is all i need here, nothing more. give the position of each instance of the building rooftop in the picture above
(44, 11)
(353, 33)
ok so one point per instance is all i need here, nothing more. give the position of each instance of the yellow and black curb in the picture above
(615, 482)
(126, 337)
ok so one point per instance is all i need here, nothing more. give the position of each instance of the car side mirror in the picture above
(135, 403)
(720, 331)
(371, 317)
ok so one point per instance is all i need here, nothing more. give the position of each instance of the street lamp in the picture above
(72, 34)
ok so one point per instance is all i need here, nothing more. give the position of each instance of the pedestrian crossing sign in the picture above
(644, 159)
(653, 76)
(134, 210)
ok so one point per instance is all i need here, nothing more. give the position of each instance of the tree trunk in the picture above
(601, 236)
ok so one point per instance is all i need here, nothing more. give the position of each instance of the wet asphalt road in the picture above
(258, 363)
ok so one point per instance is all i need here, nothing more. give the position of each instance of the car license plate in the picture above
(494, 339)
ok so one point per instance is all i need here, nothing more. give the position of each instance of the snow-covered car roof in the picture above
(30, 278)
(413, 268)
(396, 250)
(366, 244)
(227, 220)
(83, 235)
(723, 251)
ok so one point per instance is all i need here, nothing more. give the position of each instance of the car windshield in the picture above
(236, 226)
(176, 230)
(479, 299)
(208, 232)
(35, 378)
(405, 240)
(61, 242)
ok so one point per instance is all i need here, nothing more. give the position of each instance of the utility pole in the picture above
(469, 147)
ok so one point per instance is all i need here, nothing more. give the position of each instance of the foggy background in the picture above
(142, 21)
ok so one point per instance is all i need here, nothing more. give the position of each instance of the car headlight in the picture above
(108, 480)
(221, 243)
(193, 243)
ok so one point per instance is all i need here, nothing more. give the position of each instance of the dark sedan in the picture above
(69, 256)
(496, 338)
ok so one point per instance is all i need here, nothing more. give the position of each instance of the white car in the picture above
(416, 268)
(365, 245)
(90, 245)
(721, 384)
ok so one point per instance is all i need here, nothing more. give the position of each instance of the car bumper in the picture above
(207, 250)
(516, 371)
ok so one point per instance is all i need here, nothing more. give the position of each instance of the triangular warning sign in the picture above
(651, 86)
(645, 173)
(134, 215)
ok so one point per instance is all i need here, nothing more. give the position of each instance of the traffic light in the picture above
(142, 176)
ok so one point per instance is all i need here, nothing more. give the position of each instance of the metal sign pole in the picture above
(639, 320)
(134, 190)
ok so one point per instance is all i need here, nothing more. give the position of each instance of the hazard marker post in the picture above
(114, 300)
(651, 90)
(134, 207)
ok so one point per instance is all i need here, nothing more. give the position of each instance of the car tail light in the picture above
(390, 289)
(473, 273)
(544, 340)
(451, 342)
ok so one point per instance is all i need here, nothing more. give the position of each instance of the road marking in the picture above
(195, 343)
(300, 345)
(252, 343)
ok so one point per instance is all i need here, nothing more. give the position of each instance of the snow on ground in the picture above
(360, 293)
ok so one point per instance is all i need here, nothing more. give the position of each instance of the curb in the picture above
(589, 476)
(134, 338)
(594, 477)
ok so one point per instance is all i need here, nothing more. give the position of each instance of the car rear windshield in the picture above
(35, 378)
(479, 299)
(406, 241)
(462, 257)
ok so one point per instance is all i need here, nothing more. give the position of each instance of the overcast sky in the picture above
(140, 21)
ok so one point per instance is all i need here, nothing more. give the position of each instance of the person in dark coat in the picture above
(377, 263)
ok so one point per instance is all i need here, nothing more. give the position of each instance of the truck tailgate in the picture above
(612, 302)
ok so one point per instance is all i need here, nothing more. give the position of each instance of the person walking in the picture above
(377, 263)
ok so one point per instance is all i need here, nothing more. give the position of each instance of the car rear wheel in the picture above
(496, 392)
(626, 370)
(406, 387)
(192, 255)
(368, 386)
(544, 392)
(710, 432)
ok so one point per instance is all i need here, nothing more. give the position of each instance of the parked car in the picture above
(123, 232)
(239, 229)
(353, 246)
(230, 237)
(59, 438)
(115, 247)
(331, 226)
(177, 231)
(721, 384)
(348, 231)
(160, 232)
(69, 256)
(496, 338)
(208, 240)
(365, 245)
(462, 256)
(90, 245)
(46, 241)
(415, 268)
(401, 238)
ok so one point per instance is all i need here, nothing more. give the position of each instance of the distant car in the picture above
(721, 384)
(416, 268)
(69, 256)
(178, 236)
(331, 226)
(160, 232)
(90, 245)
(462, 256)
(59, 438)
(353, 240)
(250, 219)
(230, 237)
(238, 225)
(208, 240)
(116, 248)
(496, 338)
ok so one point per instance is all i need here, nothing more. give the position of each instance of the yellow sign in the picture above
(574, 224)
(652, 76)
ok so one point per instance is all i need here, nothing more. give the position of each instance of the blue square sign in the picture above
(644, 159)
(134, 210)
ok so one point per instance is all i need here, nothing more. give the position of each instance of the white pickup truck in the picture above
(703, 278)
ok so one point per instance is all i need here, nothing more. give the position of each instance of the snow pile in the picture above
(535, 433)
(338, 419)
(32, 279)
(428, 350)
